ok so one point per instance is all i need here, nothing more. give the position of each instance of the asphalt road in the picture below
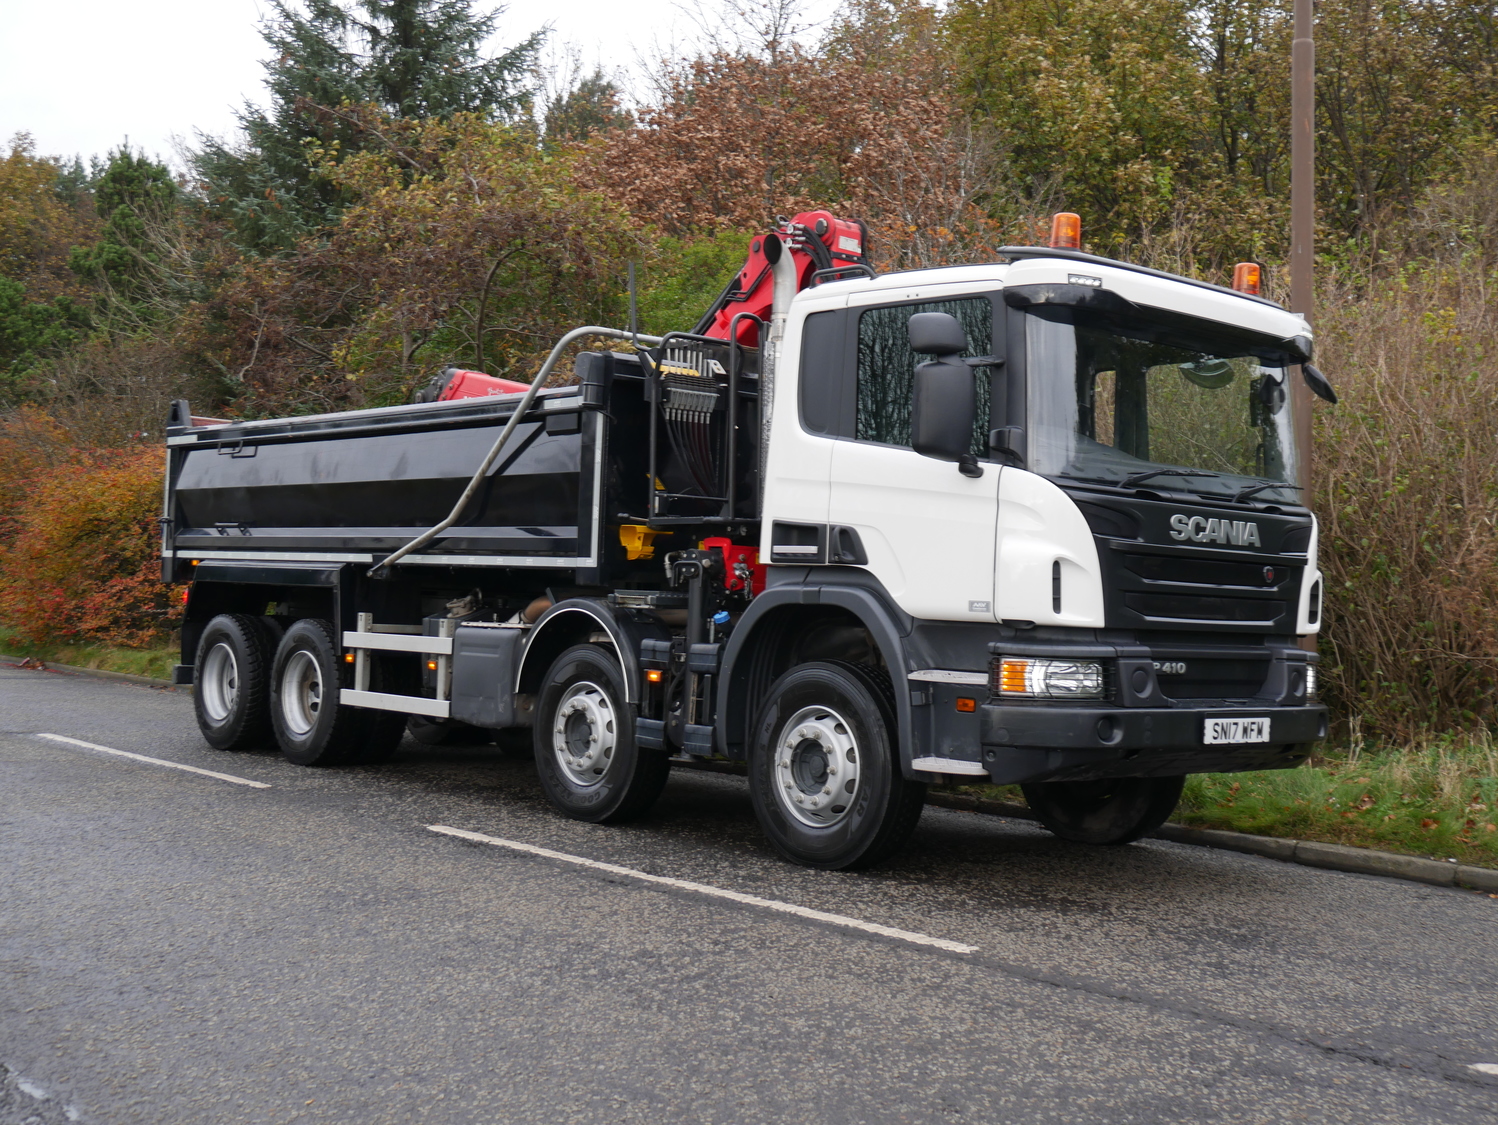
(179, 948)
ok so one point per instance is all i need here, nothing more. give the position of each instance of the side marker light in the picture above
(966, 704)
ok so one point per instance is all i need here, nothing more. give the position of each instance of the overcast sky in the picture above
(82, 75)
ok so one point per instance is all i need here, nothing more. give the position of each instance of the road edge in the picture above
(99, 674)
(1310, 853)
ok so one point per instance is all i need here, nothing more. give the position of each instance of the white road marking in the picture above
(1484, 1068)
(714, 892)
(155, 761)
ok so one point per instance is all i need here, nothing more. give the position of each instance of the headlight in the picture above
(1021, 677)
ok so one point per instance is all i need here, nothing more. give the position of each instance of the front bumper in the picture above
(1040, 742)
(1152, 722)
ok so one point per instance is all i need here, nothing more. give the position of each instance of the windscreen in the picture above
(1112, 399)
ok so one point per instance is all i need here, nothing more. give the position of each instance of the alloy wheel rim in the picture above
(818, 768)
(585, 734)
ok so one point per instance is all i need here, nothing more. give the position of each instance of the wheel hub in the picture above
(301, 693)
(817, 767)
(219, 682)
(585, 734)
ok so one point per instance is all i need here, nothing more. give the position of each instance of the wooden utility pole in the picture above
(1303, 226)
(1303, 213)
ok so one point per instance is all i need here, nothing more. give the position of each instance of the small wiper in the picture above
(1253, 489)
(1139, 478)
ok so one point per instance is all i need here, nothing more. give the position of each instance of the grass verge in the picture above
(1438, 799)
(154, 662)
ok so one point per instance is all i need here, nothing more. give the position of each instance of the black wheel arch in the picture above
(575, 621)
(771, 637)
(247, 586)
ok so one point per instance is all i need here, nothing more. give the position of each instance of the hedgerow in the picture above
(79, 543)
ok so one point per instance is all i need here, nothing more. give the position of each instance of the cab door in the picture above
(927, 531)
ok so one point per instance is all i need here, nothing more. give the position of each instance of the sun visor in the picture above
(1071, 296)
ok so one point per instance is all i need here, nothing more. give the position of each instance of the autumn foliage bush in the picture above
(78, 540)
(1407, 495)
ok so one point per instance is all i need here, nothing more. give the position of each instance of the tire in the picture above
(312, 727)
(824, 774)
(1111, 811)
(584, 738)
(231, 693)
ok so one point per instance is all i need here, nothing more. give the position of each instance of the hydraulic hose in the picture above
(504, 436)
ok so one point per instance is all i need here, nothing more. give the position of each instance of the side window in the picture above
(886, 367)
(823, 371)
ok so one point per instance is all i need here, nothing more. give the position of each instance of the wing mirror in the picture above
(943, 401)
(1320, 385)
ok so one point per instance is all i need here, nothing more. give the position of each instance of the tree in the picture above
(39, 225)
(736, 139)
(418, 59)
(42, 217)
(1388, 110)
(31, 330)
(589, 106)
(136, 198)
(1097, 102)
(464, 242)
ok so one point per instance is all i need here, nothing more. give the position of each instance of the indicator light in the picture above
(966, 704)
(1033, 678)
(431, 665)
(653, 675)
(348, 658)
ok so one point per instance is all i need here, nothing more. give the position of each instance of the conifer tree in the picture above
(421, 59)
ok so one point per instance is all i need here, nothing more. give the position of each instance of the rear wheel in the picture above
(586, 756)
(313, 728)
(231, 693)
(1110, 811)
(823, 772)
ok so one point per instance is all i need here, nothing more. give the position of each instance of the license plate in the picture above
(1224, 731)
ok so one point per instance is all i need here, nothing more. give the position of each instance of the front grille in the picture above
(1155, 580)
(1206, 572)
(1191, 607)
(1214, 679)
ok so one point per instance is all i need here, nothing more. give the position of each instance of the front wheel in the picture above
(1110, 811)
(586, 756)
(823, 773)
